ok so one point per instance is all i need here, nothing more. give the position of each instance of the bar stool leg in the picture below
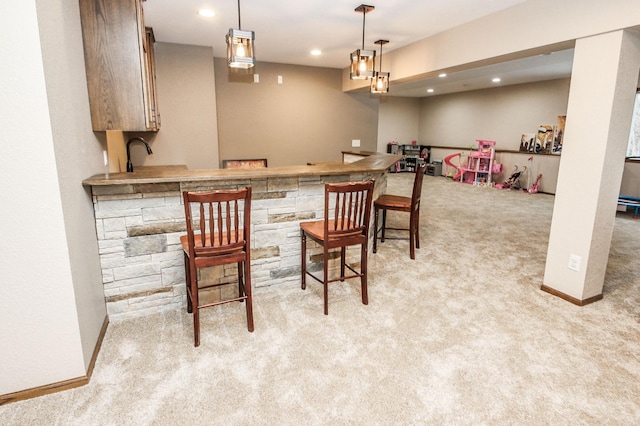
(384, 223)
(363, 271)
(417, 227)
(343, 258)
(187, 282)
(375, 229)
(247, 291)
(304, 260)
(325, 261)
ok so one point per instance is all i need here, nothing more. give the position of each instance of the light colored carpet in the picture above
(461, 335)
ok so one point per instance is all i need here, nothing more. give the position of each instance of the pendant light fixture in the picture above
(240, 47)
(380, 81)
(363, 61)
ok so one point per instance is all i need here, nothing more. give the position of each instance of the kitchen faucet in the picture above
(139, 139)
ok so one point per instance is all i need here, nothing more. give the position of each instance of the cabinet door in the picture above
(115, 60)
(152, 115)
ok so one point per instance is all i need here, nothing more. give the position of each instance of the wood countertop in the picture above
(165, 174)
(360, 153)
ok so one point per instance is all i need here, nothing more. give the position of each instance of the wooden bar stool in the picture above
(403, 204)
(351, 205)
(223, 219)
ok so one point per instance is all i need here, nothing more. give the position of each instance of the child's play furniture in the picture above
(479, 164)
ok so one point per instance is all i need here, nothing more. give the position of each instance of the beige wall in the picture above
(307, 118)
(78, 155)
(51, 303)
(187, 104)
(457, 120)
(501, 114)
(398, 120)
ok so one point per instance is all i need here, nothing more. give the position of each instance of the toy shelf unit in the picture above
(413, 156)
(434, 168)
(480, 164)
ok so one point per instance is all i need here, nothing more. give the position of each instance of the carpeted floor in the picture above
(461, 335)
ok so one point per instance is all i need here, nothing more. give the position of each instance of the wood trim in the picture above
(96, 350)
(506, 151)
(59, 386)
(360, 153)
(43, 390)
(571, 298)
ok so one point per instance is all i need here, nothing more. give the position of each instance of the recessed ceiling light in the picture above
(207, 13)
(496, 80)
(430, 90)
(442, 75)
(316, 52)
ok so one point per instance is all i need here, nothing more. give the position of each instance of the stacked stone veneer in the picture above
(139, 228)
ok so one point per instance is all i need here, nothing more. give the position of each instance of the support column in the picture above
(603, 85)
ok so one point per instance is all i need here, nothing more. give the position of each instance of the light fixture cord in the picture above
(380, 57)
(239, 26)
(364, 14)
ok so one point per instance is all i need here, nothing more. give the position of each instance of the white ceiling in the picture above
(526, 70)
(287, 30)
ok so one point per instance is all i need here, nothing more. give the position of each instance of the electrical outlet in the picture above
(256, 78)
(355, 143)
(279, 79)
(574, 262)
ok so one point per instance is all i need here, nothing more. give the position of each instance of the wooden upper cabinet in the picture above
(119, 60)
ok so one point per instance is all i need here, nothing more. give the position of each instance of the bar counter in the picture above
(140, 218)
(172, 174)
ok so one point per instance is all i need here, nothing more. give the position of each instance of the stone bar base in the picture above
(139, 227)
